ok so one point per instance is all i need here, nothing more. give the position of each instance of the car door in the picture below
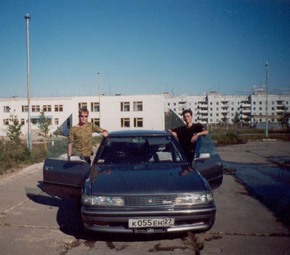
(208, 162)
(64, 178)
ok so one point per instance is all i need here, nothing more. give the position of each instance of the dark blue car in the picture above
(141, 182)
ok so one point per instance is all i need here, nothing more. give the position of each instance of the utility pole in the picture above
(99, 92)
(29, 139)
(266, 129)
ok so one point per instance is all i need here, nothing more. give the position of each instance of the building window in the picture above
(22, 121)
(35, 108)
(34, 121)
(125, 122)
(24, 108)
(6, 122)
(95, 107)
(58, 108)
(138, 106)
(56, 121)
(96, 121)
(83, 105)
(47, 108)
(138, 122)
(7, 108)
(125, 106)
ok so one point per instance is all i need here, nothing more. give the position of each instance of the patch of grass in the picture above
(228, 138)
(238, 135)
(14, 156)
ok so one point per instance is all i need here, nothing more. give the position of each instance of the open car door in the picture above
(208, 162)
(61, 177)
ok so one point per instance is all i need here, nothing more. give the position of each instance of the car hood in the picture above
(144, 179)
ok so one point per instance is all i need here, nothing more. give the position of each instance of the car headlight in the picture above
(194, 199)
(102, 200)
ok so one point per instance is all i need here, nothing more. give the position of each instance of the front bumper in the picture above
(196, 220)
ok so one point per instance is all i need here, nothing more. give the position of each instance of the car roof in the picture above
(139, 133)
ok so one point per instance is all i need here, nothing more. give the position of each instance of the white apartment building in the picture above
(214, 108)
(110, 112)
(143, 111)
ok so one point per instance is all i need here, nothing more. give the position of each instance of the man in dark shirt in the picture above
(188, 134)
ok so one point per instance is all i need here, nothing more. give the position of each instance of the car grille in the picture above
(153, 200)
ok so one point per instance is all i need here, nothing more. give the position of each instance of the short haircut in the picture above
(187, 111)
(83, 109)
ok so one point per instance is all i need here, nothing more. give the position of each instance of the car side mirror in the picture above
(203, 156)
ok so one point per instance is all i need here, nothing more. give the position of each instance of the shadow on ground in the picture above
(70, 222)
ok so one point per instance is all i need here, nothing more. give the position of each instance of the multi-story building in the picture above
(144, 111)
(110, 112)
(215, 108)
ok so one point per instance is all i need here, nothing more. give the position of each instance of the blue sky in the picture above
(185, 47)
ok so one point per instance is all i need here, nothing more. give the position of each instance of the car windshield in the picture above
(139, 150)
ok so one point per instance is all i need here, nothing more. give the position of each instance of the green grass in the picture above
(238, 135)
(14, 156)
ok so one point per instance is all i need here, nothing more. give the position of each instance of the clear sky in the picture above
(185, 47)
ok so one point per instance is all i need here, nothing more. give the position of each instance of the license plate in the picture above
(151, 223)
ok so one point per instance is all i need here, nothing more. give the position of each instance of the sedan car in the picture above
(141, 182)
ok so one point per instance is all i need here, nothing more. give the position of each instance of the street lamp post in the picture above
(266, 129)
(29, 140)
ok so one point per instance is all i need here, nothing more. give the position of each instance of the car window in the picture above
(205, 144)
(138, 150)
(57, 149)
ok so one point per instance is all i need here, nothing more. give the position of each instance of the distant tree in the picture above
(14, 129)
(284, 119)
(58, 131)
(44, 124)
(224, 119)
(236, 120)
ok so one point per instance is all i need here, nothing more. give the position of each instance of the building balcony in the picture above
(202, 103)
(281, 107)
(202, 112)
(280, 110)
(279, 101)
(202, 117)
(200, 107)
(245, 117)
(246, 105)
(246, 111)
